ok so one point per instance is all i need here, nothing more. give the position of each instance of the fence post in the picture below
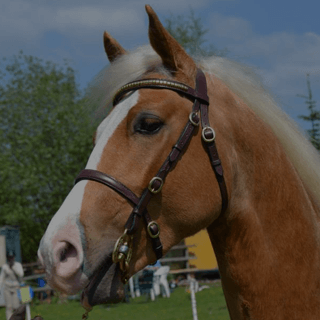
(28, 313)
(193, 300)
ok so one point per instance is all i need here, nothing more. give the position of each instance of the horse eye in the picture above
(148, 126)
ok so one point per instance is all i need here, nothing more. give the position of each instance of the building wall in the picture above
(12, 236)
(205, 258)
(2, 250)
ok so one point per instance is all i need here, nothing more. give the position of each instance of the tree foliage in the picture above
(45, 136)
(190, 33)
(313, 117)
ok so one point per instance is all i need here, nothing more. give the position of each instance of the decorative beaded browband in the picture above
(150, 82)
(158, 84)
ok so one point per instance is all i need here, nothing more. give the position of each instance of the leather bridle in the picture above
(123, 248)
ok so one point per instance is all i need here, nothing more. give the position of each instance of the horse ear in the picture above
(171, 52)
(112, 47)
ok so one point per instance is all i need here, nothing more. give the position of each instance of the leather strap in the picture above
(94, 175)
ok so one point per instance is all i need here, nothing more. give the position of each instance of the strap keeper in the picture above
(176, 147)
(132, 222)
(158, 251)
(216, 163)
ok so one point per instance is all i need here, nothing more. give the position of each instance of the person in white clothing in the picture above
(11, 276)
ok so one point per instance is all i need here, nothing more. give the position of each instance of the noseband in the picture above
(123, 248)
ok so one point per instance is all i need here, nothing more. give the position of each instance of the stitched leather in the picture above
(94, 175)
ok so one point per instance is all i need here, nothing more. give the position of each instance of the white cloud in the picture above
(28, 20)
(288, 59)
(83, 21)
(233, 28)
(283, 58)
(15, 20)
(73, 29)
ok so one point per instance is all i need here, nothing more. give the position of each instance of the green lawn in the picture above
(210, 305)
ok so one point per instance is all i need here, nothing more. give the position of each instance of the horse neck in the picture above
(267, 243)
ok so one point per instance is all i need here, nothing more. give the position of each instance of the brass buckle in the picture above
(204, 137)
(122, 253)
(150, 224)
(153, 190)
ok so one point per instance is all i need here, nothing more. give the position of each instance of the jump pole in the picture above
(193, 300)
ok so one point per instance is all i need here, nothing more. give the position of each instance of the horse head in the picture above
(131, 144)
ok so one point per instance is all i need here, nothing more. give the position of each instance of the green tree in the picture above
(190, 33)
(45, 138)
(313, 117)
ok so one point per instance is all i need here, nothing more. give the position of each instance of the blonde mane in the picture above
(247, 85)
(240, 79)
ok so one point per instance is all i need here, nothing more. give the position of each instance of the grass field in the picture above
(210, 305)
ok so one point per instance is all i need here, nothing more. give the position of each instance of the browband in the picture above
(181, 88)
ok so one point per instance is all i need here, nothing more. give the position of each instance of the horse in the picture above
(191, 144)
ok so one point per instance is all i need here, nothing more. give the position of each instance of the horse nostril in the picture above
(67, 259)
(68, 251)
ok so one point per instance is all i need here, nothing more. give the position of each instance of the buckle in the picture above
(122, 253)
(194, 119)
(151, 188)
(149, 229)
(211, 131)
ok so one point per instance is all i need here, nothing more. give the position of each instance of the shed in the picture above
(12, 242)
(9, 241)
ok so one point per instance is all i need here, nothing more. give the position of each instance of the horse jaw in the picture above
(105, 287)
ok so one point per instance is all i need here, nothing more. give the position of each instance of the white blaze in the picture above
(69, 212)
(108, 126)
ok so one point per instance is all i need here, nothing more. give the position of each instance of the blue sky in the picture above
(281, 39)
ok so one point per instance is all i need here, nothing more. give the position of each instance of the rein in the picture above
(122, 252)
